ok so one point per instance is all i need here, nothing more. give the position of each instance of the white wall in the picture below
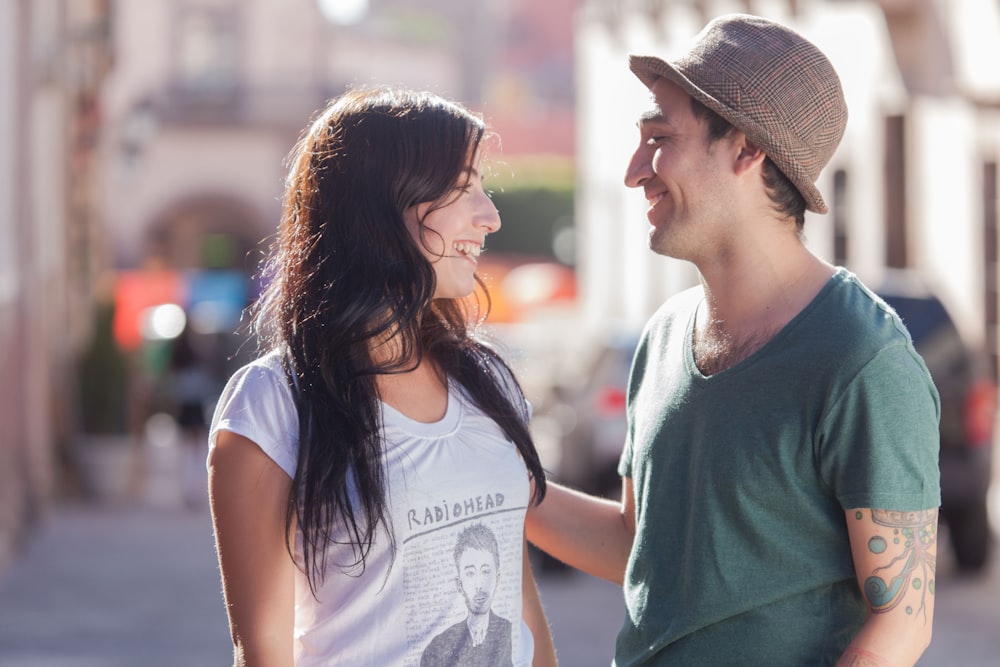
(291, 59)
(9, 80)
(945, 192)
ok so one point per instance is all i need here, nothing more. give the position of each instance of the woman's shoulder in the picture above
(258, 404)
(271, 362)
(490, 361)
(266, 373)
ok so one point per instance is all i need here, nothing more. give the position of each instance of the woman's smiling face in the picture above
(451, 234)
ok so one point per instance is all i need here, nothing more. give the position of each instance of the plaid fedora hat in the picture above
(770, 83)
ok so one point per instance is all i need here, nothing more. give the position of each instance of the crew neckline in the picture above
(392, 417)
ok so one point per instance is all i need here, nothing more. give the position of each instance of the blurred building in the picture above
(52, 60)
(147, 139)
(206, 98)
(143, 166)
(913, 184)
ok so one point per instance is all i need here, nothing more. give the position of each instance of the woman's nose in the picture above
(488, 216)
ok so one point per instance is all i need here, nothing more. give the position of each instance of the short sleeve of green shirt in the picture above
(872, 445)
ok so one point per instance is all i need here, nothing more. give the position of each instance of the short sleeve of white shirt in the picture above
(257, 403)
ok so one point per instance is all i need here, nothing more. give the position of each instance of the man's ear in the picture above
(748, 155)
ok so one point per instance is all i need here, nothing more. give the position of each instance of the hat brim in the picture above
(650, 68)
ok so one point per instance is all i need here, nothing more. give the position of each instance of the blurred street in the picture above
(82, 595)
(141, 182)
(117, 587)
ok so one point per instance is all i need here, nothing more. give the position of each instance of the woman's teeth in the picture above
(468, 249)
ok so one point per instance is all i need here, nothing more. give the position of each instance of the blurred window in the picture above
(895, 193)
(207, 55)
(990, 269)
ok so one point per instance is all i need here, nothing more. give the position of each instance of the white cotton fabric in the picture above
(442, 477)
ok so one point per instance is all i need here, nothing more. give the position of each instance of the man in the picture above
(483, 639)
(780, 482)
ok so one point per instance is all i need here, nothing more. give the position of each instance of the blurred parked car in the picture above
(591, 414)
(590, 411)
(968, 412)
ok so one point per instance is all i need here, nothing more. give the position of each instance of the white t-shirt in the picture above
(442, 478)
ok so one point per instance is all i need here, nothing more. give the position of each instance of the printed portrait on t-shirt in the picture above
(458, 522)
(482, 638)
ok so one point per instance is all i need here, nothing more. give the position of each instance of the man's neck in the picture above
(749, 300)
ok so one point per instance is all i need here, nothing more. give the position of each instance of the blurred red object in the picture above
(135, 292)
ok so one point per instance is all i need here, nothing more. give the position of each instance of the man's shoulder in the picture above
(857, 313)
(670, 319)
(848, 327)
(684, 299)
(679, 305)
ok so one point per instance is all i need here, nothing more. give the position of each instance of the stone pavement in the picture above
(115, 587)
(137, 585)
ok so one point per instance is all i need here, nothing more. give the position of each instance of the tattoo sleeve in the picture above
(903, 545)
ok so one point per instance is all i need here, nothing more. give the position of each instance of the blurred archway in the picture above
(207, 231)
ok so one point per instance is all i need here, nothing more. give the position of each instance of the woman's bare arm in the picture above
(534, 616)
(249, 494)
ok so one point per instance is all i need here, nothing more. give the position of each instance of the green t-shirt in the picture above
(742, 479)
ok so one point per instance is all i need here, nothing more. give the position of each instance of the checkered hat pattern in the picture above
(769, 82)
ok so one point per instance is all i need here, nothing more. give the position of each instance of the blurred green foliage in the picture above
(531, 218)
(103, 379)
(535, 203)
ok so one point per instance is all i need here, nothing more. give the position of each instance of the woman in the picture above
(348, 459)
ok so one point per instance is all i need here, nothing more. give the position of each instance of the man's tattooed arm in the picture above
(895, 554)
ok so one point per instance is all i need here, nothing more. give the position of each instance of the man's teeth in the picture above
(470, 249)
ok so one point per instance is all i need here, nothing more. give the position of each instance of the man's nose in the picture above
(639, 170)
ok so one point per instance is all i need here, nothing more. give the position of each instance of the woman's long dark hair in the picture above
(345, 272)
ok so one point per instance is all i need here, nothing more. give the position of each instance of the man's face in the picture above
(681, 174)
(477, 575)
